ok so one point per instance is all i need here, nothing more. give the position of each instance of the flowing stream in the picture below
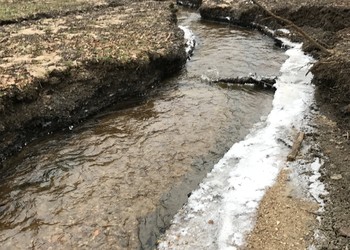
(118, 179)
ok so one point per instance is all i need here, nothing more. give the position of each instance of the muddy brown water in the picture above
(116, 181)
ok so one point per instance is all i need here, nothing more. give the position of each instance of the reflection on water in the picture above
(91, 188)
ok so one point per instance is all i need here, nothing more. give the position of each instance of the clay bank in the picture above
(57, 71)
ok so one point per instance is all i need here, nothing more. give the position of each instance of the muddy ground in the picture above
(328, 22)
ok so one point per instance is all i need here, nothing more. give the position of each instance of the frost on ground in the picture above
(189, 39)
(221, 211)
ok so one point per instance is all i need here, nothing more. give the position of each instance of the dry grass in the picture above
(133, 33)
(14, 9)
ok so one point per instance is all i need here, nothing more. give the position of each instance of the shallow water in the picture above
(118, 179)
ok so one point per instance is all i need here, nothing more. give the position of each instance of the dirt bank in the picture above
(328, 22)
(56, 71)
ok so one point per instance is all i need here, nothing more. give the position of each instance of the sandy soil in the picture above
(284, 220)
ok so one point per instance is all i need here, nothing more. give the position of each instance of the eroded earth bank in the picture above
(61, 62)
(58, 70)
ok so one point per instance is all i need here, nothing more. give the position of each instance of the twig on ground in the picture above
(289, 23)
(296, 146)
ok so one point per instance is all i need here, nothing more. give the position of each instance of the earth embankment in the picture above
(60, 69)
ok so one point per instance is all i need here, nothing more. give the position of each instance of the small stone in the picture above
(211, 222)
(344, 231)
(54, 80)
(96, 233)
(336, 177)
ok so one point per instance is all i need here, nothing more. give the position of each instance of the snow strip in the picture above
(285, 31)
(190, 40)
(221, 211)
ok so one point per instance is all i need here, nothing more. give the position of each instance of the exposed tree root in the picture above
(290, 24)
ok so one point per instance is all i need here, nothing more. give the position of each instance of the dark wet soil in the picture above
(335, 145)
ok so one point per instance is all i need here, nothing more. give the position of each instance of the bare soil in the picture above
(335, 145)
(284, 221)
(287, 220)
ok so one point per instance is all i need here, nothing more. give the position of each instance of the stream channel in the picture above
(117, 180)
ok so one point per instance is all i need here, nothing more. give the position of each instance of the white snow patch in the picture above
(221, 211)
(317, 188)
(284, 31)
(309, 184)
(190, 40)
